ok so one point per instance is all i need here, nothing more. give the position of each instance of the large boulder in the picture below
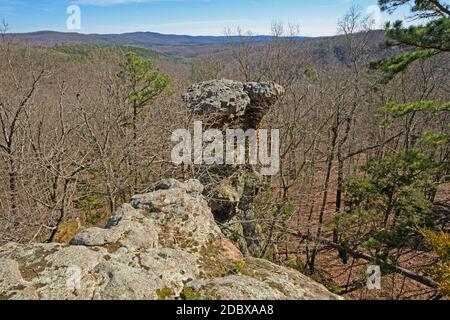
(229, 102)
(164, 245)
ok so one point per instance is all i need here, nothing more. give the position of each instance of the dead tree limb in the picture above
(360, 255)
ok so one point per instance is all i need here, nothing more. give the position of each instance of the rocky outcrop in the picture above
(232, 103)
(232, 190)
(164, 245)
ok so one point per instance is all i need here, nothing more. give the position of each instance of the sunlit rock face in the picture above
(163, 245)
(231, 190)
(228, 102)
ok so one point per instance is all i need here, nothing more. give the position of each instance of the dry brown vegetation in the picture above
(65, 150)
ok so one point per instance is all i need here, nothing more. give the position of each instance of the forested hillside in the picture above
(364, 158)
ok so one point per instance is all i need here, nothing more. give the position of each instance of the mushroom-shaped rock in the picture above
(165, 246)
(217, 97)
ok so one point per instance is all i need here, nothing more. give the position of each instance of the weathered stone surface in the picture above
(263, 93)
(127, 228)
(163, 246)
(291, 283)
(235, 287)
(230, 190)
(218, 97)
(228, 101)
(262, 280)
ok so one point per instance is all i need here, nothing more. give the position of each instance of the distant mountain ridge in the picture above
(165, 43)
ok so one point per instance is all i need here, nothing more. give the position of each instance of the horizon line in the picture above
(159, 33)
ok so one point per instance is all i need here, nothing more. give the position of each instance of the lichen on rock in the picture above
(165, 245)
(232, 103)
(231, 190)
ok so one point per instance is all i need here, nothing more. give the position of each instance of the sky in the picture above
(187, 17)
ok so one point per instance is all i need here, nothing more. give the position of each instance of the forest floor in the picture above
(349, 279)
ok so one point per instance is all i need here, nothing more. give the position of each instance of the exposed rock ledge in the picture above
(232, 103)
(164, 245)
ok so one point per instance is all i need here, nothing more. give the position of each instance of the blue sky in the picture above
(194, 17)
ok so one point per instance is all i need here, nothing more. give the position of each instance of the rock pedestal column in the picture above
(231, 190)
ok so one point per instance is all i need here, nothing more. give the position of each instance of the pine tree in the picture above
(143, 83)
(423, 41)
(392, 207)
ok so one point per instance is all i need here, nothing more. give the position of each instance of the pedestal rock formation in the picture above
(231, 190)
